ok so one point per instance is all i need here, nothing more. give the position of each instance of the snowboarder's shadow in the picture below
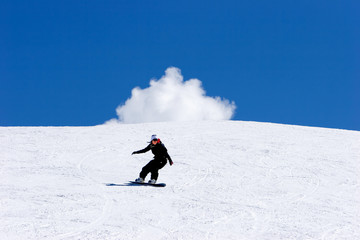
(121, 185)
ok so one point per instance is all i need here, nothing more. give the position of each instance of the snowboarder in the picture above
(160, 158)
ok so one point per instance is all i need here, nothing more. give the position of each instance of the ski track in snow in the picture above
(230, 180)
(107, 201)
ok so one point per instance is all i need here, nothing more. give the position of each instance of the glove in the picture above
(171, 162)
(133, 153)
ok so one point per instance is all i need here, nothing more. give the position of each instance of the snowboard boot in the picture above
(139, 180)
(152, 181)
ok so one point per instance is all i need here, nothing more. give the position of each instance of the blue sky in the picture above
(74, 62)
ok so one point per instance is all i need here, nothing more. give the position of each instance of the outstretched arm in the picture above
(142, 151)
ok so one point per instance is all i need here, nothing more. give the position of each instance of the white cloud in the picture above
(172, 99)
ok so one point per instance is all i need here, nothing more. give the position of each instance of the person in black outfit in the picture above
(160, 158)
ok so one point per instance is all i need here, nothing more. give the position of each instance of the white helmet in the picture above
(153, 137)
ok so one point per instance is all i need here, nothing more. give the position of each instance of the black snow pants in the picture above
(153, 167)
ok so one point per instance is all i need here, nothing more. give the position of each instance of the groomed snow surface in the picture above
(230, 180)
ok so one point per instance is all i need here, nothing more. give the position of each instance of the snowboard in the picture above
(150, 184)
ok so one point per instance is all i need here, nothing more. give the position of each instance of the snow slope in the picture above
(230, 180)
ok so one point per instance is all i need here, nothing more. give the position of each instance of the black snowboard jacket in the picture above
(159, 150)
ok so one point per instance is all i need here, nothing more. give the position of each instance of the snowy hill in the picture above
(230, 180)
